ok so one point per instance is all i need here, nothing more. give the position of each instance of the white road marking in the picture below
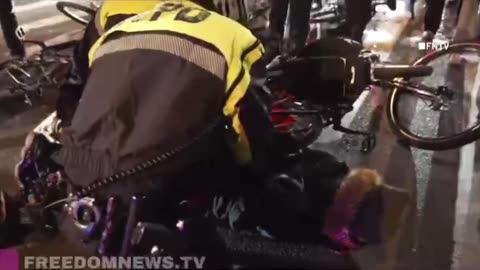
(36, 5)
(45, 22)
(465, 178)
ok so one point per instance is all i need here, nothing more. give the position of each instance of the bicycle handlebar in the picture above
(385, 72)
(325, 15)
(390, 72)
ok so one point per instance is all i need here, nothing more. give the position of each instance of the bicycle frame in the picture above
(33, 75)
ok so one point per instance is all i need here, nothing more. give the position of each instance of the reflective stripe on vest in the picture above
(207, 59)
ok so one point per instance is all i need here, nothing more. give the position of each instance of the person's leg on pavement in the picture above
(358, 13)
(459, 7)
(449, 20)
(467, 21)
(433, 18)
(358, 16)
(276, 29)
(9, 24)
(412, 9)
(299, 23)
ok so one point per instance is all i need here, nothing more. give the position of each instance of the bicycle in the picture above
(329, 76)
(48, 68)
(74, 11)
(45, 70)
(438, 103)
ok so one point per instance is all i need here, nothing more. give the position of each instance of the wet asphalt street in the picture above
(440, 229)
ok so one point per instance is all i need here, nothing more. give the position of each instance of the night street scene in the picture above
(240, 134)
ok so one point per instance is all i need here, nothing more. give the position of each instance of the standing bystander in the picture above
(298, 22)
(433, 18)
(9, 24)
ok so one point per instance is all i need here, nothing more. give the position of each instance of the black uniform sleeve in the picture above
(71, 90)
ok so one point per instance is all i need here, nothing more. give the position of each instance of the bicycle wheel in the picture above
(452, 120)
(77, 12)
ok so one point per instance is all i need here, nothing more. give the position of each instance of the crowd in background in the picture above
(358, 14)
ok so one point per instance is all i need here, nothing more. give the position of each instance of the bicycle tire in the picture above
(403, 133)
(64, 6)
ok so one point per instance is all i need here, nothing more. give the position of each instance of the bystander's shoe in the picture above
(428, 36)
(441, 37)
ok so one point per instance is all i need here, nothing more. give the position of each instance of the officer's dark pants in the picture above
(433, 15)
(358, 14)
(9, 24)
(299, 22)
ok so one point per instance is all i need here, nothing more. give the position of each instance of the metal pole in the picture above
(286, 45)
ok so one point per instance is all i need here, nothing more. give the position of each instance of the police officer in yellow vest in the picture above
(164, 86)
(157, 80)
(110, 13)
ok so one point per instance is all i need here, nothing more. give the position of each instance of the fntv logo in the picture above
(435, 45)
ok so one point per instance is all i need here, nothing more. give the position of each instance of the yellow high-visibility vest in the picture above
(110, 8)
